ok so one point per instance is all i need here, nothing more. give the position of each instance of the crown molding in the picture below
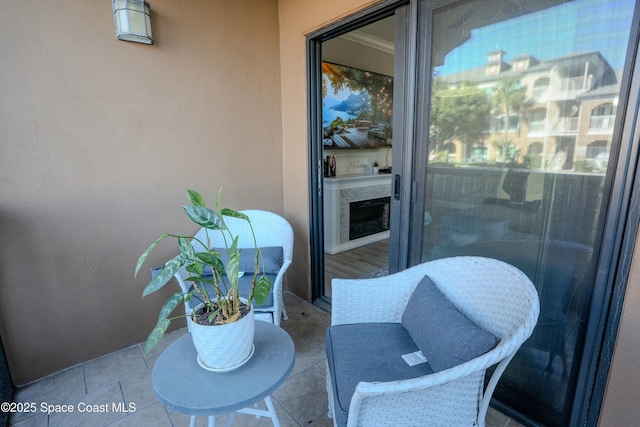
(369, 40)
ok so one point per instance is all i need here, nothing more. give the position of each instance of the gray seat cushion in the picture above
(367, 352)
(271, 262)
(244, 283)
(445, 336)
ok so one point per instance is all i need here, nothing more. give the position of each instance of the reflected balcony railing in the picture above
(562, 125)
(602, 123)
(575, 83)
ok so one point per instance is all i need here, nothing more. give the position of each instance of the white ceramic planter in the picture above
(223, 348)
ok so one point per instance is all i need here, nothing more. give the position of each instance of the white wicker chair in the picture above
(494, 295)
(271, 230)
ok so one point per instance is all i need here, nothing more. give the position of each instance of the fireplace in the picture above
(367, 217)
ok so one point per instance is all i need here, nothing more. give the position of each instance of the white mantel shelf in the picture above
(356, 180)
(341, 190)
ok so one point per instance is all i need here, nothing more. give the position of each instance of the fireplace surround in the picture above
(339, 193)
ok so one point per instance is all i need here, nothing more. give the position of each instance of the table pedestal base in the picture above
(270, 412)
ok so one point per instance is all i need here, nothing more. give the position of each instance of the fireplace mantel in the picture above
(338, 193)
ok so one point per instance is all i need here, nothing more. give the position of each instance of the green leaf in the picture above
(146, 253)
(195, 198)
(155, 335)
(234, 214)
(218, 198)
(234, 245)
(185, 247)
(204, 217)
(233, 263)
(170, 304)
(213, 315)
(203, 280)
(194, 268)
(170, 269)
(211, 258)
(261, 290)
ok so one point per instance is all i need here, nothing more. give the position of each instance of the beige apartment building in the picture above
(566, 120)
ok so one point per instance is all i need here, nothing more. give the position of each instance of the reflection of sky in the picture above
(576, 26)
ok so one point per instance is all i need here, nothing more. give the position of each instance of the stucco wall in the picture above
(99, 139)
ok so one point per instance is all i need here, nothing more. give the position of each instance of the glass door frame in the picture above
(314, 84)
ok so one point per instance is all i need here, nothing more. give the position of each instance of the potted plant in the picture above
(376, 167)
(218, 308)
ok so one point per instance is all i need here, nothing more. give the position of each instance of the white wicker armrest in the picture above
(276, 289)
(451, 402)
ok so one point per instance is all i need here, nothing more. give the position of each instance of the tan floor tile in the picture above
(138, 390)
(114, 367)
(98, 408)
(304, 396)
(57, 388)
(154, 415)
(37, 420)
(308, 353)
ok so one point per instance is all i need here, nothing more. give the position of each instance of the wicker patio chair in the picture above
(494, 295)
(274, 236)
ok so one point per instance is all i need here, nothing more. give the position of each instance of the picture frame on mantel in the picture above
(357, 108)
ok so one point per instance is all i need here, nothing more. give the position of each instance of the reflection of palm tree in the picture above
(508, 95)
(458, 113)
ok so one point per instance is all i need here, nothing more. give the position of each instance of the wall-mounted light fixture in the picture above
(133, 20)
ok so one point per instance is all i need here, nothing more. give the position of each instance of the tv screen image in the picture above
(356, 107)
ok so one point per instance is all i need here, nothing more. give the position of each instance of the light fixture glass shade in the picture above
(132, 19)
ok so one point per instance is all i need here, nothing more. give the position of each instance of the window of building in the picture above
(540, 86)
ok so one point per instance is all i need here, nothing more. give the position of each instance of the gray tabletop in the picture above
(183, 386)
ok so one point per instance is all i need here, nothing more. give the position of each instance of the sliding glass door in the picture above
(357, 81)
(514, 155)
(512, 138)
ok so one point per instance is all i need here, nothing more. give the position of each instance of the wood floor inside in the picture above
(355, 263)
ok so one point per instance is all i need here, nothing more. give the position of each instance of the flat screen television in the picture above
(356, 108)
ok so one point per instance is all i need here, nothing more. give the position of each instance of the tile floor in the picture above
(124, 378)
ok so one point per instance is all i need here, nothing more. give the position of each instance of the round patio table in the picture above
(182, 385)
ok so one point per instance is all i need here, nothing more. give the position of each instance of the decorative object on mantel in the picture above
(218, 267)
(376, 167)
(132, 19)
(330, 167)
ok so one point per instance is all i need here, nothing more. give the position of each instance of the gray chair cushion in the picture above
(244, 284)
(444, 335)
(367, 352)
(272, 256)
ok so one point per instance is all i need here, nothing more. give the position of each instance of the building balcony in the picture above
(564, 88)
(601, 124)
(561, 126)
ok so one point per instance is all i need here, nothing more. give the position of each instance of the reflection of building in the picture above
(566, 120)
